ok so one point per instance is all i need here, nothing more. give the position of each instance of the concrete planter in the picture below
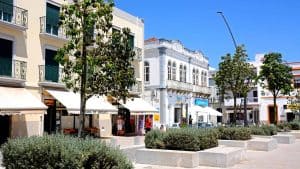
(285, 138)
(222, 156)
(130, 151)
(262, 144)
(261, 136)
(173, 158)
(295, 133)
(233, 143)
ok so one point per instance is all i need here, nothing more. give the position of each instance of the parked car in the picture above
(204, 125)
(175, 125)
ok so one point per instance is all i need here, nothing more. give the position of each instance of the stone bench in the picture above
(222, 156)
(173, 158)
(262, 144)
(233, 143)
(285, 138)
(295, 133)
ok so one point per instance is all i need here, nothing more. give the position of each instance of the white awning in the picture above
(212, 111)
(17, 100)
(71, 101)
(139, 106)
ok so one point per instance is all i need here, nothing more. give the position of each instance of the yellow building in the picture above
(29, 39)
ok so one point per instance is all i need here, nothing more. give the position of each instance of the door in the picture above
(52, 19)
(6, 57)
(4, 129)
(177, 115)
(50, 120)
(272, 115)
(51, 66)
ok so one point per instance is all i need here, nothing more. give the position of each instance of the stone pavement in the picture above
(286, 156)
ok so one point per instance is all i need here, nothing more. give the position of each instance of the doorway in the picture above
(50, 120)
(177, 115)
(4, 129)
(272, 115)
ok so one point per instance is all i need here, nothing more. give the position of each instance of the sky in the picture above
(263, 26)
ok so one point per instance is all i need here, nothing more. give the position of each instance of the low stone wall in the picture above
(295, 133)
(285, 138)
(222, 156)
(262, 144)
(173, 158)
(261, 136)
(130, 151)
(233, 143)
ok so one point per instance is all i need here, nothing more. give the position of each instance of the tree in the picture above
(93, 53)
(232, 75)
(275, 76)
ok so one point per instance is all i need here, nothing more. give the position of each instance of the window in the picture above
(51, 66)
(6, 12)
(202, 78)
(194, 76)
(174, 71)
(184, 73)
(297, 82)
(197, 77)
(255, 93)
(6, 49)
(181, 73)
(205, 79)
(52, 19)
(131, 41)
(146, 72)
(169, 70)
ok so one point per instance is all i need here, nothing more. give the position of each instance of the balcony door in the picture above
(6, 47)
(6, 10)
(4, 129)
(51, 66)
(52, 19)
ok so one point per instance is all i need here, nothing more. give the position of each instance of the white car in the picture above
(175, 125)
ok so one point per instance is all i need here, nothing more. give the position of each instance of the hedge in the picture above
(187, 139)
(266, 130)
(234, 133)
(63, 152)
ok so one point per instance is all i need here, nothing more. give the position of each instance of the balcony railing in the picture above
(13, 69)
(52, 30)
(240, 101)
(138, 54)
(177, 85)
(137, 88)
(13, 15)
(201, 89)
(50, 74)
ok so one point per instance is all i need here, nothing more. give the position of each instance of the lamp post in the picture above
(227, 25)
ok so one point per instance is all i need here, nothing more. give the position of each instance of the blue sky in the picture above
(261, 25)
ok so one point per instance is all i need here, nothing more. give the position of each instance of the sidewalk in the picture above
(286, 156)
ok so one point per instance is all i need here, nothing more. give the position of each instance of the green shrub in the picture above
(57, 151)
(283, 126)
(154, 139)
(234, 133)
(256, 130)
(266, 130)
(294, 125)
(208, 138)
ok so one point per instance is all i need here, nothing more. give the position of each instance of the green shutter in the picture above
(131, 41)
(51, 66)
(6, 57)
(52, 19)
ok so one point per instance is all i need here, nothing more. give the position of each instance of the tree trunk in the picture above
(245, 111)
(275, 109)
(234, 109)
(83, 84)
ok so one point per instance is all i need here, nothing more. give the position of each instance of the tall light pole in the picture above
(227, 25)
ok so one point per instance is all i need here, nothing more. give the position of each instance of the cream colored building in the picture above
(29, 39)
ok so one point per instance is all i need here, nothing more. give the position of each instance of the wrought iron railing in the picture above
(13, 68)
(48, 73)
(13, 14)
(137, 88)
(138, 53)
(173, 84)
(53, 30)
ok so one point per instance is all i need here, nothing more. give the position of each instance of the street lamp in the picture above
(227, 25)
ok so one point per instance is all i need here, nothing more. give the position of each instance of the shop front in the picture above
(64, 109)
(21, 113)
(135, 117)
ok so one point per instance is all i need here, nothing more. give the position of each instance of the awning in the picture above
(18, 100)
(212, 111)
(71, 101)
(139, 106)
(288, 111)
(198, 110)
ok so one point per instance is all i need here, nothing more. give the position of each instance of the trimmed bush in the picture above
(266, 130)
(187, 139)
(283, 126)
(294, 125)
(57, 151)
(234, 133)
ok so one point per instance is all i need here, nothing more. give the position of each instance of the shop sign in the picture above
(156, 117)
(201, 102)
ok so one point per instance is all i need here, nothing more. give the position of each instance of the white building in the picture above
(175, 79)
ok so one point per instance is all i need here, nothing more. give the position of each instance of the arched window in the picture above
(205, 79)
(194, 76)
(146, 72)
(197, 77)
(169, 70)
(202, 78)
(184, 73)
(181, 73)
(174, 71)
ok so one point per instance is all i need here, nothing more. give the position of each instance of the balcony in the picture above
(51, 31)
(201, 89)
(240, 101)
(13, 16)
(136, 89)
(12, 72)
(138, 54)
(177, 85)
(51, 76)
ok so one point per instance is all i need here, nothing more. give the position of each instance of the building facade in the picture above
(29, 40)
(175, 78)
